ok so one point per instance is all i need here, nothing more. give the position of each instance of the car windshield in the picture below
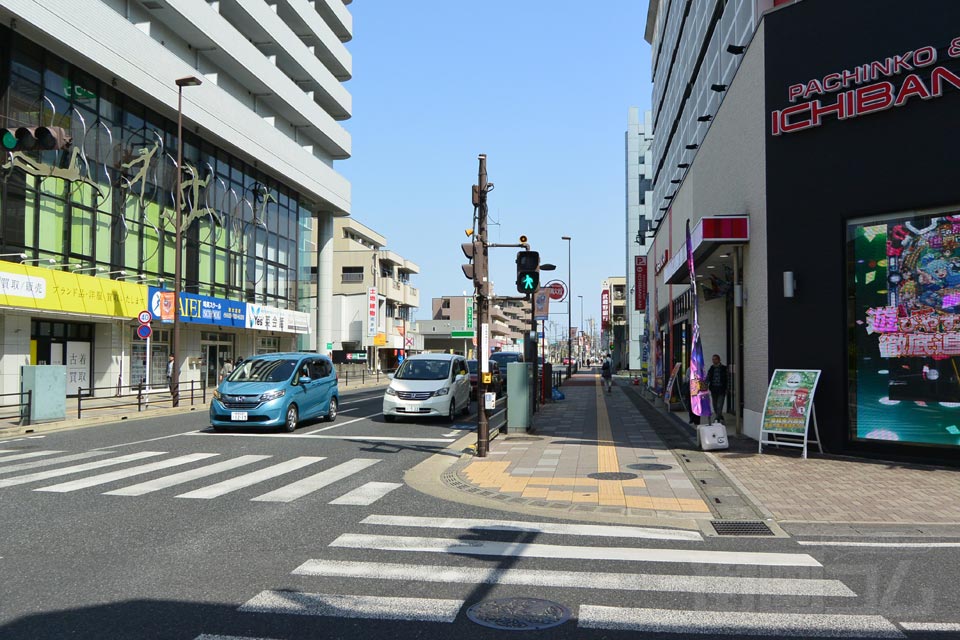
(472, 366)
(263, 371)
(423, 370)
(504, 358)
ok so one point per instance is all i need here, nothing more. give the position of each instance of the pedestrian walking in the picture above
(717, 382)
(606, 373)
(226, 369)
(170, 364)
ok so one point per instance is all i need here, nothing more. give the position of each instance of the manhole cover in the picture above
(649, 466)
(612, 475)
(523, 438)
(741, 528)
(518, 614)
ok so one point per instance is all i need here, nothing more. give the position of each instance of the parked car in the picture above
(276, 390)
(503, 358)
(428, 384)
(496, 380)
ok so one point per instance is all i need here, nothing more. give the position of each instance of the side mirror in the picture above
(304, 379)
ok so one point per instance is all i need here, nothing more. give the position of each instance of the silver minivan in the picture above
(428, 384)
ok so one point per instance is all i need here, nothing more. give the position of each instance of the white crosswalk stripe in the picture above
(250, 479)
(185, 476)
(366, 494)
(87, 466)
(12, 455)
(380, 608)
(49, 462)
(317, 481)
(113, 476)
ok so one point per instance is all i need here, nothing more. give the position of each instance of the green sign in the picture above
(789, 399)
(329, 346)
(470, 317)
(461, 334)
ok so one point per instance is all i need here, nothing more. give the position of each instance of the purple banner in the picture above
(699, 390)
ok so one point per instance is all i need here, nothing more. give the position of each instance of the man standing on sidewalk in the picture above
(717, 381)
(606, 373)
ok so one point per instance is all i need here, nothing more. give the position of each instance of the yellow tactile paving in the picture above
(514, 484)
(693, 504)
(535, 492)
(611, 491)
(563, 496)
(639, 502)
(586, 496)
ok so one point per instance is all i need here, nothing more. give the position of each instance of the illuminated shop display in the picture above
(904, 322)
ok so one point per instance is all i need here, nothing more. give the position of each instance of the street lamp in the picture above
(189, 81)
(580, 338)
(569, 316)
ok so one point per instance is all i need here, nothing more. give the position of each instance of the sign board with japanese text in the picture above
(198, 309)
(788, 408)
(640, 283)
(267, 318)
(28, 287)
(372, 312)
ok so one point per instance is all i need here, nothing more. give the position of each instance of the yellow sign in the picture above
(29, 287)
(487, 378)
(380, 340)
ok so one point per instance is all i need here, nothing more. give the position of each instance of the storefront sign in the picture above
(267, 318)
(845, 94)
(198, 309)
(640, 283)
(605, 307)
(30, 287)
(789, 399)
(662, 262)
(371, 312)
(541, 304)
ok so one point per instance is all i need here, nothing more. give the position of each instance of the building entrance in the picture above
(215, 348)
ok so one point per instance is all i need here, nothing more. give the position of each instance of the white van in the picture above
(428, 384)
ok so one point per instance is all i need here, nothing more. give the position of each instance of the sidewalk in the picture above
(616, 458)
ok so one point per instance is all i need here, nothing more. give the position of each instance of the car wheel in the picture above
(292, 417)
(452, 414)
(332, 413)
(389, 418)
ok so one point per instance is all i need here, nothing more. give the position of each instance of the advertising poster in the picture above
(673, 380)
(904, 329)
(789, 398)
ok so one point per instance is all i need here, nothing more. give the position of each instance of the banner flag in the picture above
(699, 391)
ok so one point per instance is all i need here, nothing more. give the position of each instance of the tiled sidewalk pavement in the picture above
(576, 442)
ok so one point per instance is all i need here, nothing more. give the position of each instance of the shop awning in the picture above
(710, 234)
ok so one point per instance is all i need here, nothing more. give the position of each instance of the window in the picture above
(351, 274)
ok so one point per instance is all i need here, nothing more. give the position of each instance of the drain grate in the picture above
(649, 466)
(612, 475)
(518, 614)
(741, 528)
(523, 438)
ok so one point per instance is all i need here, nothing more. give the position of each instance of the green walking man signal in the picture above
(528, 271)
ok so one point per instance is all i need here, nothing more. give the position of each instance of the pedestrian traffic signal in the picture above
(35, 138)
(528, 271)
(476, 270)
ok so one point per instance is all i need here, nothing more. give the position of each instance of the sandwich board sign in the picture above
(788, 409)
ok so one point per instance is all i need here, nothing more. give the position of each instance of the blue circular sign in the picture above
(144, 331)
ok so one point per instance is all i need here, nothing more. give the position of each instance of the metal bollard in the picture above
(140, 397)
(79, 395)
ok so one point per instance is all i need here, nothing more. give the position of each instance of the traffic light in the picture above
(35, 138)
(476, 270)
(528, 271)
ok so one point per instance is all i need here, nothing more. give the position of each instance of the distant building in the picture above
(639, 138)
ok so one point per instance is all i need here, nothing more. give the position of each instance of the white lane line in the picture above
(343, 423)
(49, 462)
(612, 531)
(308, 485)
(739, 623)
(371, 438)
(23, 456)
(172, 435)
(207, 636)
(246, 480)
(366, 494)
(111, 476)
(185, 476)
(532, 550)
(576, 579)
(342, 606)
(87, 466)
(931, 626)
(883, 545)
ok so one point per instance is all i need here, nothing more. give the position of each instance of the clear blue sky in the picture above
(542, 88)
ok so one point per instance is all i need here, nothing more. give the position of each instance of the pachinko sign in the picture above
(906, 328)
(868, 88)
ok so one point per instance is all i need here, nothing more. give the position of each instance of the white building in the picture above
(638, 139)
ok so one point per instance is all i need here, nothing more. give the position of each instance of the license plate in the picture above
(240, 416)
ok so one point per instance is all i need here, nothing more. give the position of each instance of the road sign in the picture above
(461, 334)
(144, 317)
(144, 331)
(558, 290)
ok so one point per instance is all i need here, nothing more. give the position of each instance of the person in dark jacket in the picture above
(717, 382)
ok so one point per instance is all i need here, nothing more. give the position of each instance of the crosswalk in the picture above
(64, 472)
(768, 593)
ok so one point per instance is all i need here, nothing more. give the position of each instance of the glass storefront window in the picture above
(903, 321)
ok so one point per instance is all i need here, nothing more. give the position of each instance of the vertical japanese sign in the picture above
(605, 308)
(640, 283)
(699, 391)
(371, 312)
(469, 324)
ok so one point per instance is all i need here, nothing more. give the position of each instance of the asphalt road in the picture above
(183, 533)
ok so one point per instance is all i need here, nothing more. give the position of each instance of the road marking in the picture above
(612, 531)
(366, 494)
(372, 438)
(52, 461)
(246, 480)
(43, 475)
(207, 636)
(23, 456)
(111, 476)
(576, 579)
(317, 481)
(931, 626)
(343, 423)
(531, 550)
(342, 606)
(739, 623)
(127, 444)
(185, 476)
(884, 545)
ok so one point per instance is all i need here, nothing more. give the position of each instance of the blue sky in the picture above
(542, 88)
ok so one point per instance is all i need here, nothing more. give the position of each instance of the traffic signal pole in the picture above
(481, 283)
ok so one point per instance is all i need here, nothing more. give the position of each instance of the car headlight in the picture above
(391, 392)
(272, 395)
(442, 391)
(217, 395)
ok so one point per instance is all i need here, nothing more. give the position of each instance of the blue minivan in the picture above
(276, 390)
